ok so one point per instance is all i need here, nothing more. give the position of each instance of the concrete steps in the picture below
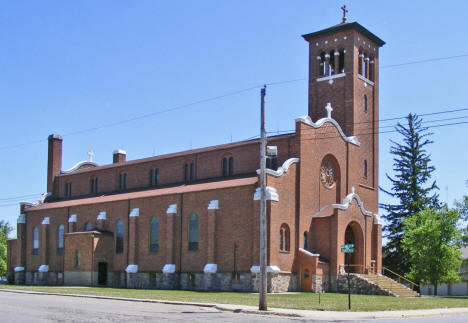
(387, 283)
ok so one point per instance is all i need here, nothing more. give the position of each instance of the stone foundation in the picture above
(320, 283)
(19, 278)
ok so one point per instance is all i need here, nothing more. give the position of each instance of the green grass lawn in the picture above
(303, 301)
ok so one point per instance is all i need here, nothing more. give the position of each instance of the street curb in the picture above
(316, 315)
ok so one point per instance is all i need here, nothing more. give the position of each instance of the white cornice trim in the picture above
(43, 268)
(72, 218)
(214, 205)
(46, 220)
(348, 200)
(102, 215)
(309, 253)
(308, 121)
(331, 77)
(78, 166)
(365, 79)
(135, 212)
(271, 194)
(269, 269)
(172, 209)
(282, 169)
(119, 151)
(17, 269)
(377, 219)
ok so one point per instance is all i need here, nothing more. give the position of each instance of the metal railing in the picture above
(400, 279)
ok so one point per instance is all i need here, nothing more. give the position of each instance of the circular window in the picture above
(327, 174)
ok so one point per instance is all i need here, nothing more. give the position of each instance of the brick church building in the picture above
(190, 220)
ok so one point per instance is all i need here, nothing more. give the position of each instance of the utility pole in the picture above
(262, 306)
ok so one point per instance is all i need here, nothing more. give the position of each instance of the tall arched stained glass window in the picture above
(60, 232)
(119, 234)
(154, 235)
(193, 232)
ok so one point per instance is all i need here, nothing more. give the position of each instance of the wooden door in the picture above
(306, 277)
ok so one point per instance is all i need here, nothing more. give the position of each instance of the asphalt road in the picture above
(16, 307)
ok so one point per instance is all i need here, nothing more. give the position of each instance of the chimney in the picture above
(119, 156)
(54, 161)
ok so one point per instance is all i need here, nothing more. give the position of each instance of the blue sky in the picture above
(67, 66)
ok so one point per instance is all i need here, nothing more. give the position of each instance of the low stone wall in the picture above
(359, 285)
(320, 283)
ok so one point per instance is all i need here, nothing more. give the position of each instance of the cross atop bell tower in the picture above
(345, 11)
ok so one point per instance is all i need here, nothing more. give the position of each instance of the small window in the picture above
(154, 177)
(154, 235)
(305, 241)
(360, 61)
(193, 232)
(364, 103)
(35, 250)
(364, 168)
(186, 173)
(231, 166)
(60, 232)
(151, 177)
(341, 61)
(119, 234)
(272, 162)
(78, 259)
(323, 65)
(225, 167)
(93, 185)
(123, 181)
(88, 226)
(192, 172)
(306, 274)
(68, 189)
(284, 237)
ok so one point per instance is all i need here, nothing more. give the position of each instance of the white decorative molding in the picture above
(102, 215)
(46, 220)
(210, 269)
(269, 269)
(318, 58)
(135, 212)
(282, 169)
(18, 269)
(306, 119)
(336, 53)
(172, 209)
(43, 197)
(43, 268)
(119, 151)
(377, 219)
(21, 218)
(348, 200)
(214, 205)
(365, 79)
(132, 269)
(271, 194)
(309, 253)
(168, 269)
(72, 218)
(331, 77)
(79, 165)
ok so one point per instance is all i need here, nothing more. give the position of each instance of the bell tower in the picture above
(343, 70)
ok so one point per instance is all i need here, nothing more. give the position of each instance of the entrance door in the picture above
(102, 273)
(306, 277)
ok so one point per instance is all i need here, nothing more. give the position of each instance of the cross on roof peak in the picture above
(329, 109)
(90, 155)
(345, 11)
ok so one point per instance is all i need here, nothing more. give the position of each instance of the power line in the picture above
(19, 197)
(112, 124)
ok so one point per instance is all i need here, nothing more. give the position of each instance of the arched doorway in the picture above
(354, 262)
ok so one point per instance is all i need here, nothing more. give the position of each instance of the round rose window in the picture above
(327, 174)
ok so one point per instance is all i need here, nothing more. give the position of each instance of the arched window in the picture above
(360, 61)
(225, 167)
(364, 168)
(323, 65)
(341, 61)
(35, 241)
(231, 166)
(154, 235)
(88, 226)
(60, 239)
(305, 241)
(119, 234)
(193, 232)
(364, 103)
(284, 237)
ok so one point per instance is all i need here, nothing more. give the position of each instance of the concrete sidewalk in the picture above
(304, 314)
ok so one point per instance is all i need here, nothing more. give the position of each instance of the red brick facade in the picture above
(202, 204)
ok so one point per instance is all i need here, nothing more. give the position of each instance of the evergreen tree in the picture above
(411, 187)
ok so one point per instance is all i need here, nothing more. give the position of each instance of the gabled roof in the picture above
(343, 27)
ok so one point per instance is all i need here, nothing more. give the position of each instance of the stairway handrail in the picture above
(413, 284)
